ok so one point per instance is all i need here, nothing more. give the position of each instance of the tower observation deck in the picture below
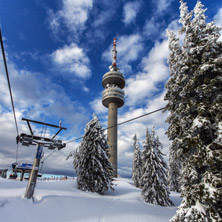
(113, 98)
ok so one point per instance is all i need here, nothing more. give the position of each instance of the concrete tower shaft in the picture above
(112, 135)
(113, 98)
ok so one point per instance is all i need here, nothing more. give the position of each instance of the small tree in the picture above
(94, 171)
(154, 172)
(137, 163)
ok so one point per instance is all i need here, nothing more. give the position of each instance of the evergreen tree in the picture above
(174, 171)
(194, 97)
(137, 163)
(154, 172)
(94, 171)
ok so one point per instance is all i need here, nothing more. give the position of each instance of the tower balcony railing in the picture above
(113, 94)
(113, 77)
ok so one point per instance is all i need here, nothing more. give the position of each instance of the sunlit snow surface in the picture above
(61, 201)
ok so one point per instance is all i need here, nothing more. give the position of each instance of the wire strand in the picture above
(10, 91)
(49, 155)
(157, 110)
(9, 85)
(16, 158)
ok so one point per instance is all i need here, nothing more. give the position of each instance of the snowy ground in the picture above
(61, 201)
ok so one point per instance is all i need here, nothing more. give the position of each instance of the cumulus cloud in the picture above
(129, 48)
(97, 106)
(130, 11)
(36, 97)
(162, 5)
(72, 59)
(57, 163)
(151, 29)
(155, 70)
(101, 17)
(156, 30)
(73, 14)
(8, 139)
(174, 26)
(54, 164)
(139, 127)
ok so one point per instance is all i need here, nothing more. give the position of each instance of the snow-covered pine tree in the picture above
(196, 116)
(174, 171)
(154, 172)
(137, 163)
(174, 87)
(94, 171)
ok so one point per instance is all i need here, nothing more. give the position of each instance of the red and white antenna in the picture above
(114, 53)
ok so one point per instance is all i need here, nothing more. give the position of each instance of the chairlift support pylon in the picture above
(41, 141)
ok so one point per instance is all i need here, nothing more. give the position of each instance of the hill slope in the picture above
(60, 201)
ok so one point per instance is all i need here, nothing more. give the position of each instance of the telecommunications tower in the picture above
(113, 98)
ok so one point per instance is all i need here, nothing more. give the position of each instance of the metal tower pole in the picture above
(34, 173)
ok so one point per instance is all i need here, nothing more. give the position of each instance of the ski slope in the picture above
(60, 201)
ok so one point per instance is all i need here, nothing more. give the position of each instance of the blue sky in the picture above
(58, 51)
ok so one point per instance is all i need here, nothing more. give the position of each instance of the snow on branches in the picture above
(154, 172)
(94, 171)
(194, 96)
(137, 163)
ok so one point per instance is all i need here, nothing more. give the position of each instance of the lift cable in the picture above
(9, 86)
(42, 162)
(49, 155)
(146, 114)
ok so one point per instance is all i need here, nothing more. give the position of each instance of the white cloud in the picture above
(155, 70)
(97, 106)
(129, 49)
(102, 15)
(35, 97)
(162, 5)
(130, 11)
(106, 14)
(156, 30)
(218, 18)
(72, 59)
(139, 126)
(152, 29)
(74, 14)
(57, 163)
(174, 26)
(53, 22)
